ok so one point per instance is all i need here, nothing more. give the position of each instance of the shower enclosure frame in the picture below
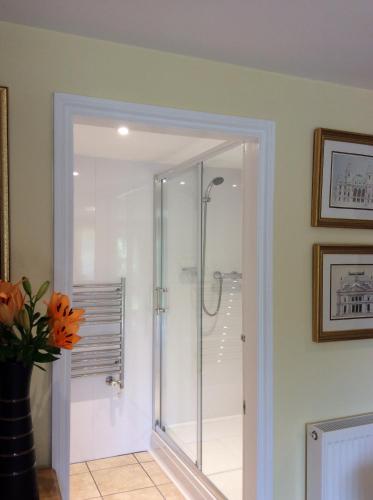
(158, 329)
(259, 421)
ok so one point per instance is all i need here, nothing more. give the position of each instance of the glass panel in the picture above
(222, 391)
(180, 322)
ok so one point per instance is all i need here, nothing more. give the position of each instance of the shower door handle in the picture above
(159, 300)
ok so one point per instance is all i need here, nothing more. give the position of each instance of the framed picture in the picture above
(342, 292)
(342, 187)
(4, 186)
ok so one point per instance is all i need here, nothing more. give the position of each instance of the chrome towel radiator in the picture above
(102, 347)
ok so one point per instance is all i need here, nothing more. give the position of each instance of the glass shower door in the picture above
(199, 405)
(222, 369)
(178, 308)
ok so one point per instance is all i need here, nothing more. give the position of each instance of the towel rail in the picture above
(102, 347)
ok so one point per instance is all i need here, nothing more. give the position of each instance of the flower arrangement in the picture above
(30, 337)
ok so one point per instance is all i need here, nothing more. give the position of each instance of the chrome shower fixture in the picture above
(215, 182)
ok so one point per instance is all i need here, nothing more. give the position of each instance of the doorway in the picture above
(186, 198)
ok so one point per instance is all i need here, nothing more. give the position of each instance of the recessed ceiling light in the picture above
(76, 173)
(182, 183)
(234, 185)
(123, 131)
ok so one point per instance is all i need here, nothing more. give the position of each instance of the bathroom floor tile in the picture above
(108, 463)
(121, 479)
(144, 456)
(78, 468)
(156, 473)
(82, 487)
(143, 494)
(170, 492)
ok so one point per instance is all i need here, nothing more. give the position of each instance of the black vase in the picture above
(17, 454)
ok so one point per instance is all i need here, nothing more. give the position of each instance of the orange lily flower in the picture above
(64, 335)
(59, 309)
(11, 302)
(64, 321)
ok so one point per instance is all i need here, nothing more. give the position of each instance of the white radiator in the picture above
(340, 459)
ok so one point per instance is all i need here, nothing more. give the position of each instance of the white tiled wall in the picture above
(114, 238)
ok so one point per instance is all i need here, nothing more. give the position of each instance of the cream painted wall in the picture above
(311, 381)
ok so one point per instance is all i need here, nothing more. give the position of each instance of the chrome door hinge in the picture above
(159, 300)
(244, 407)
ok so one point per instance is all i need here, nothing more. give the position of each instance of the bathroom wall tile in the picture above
(143, 494)
(78, 468)
(144, 456)
(156, 473)
(170, 492)
(108, 463)
(121, 479)
(83, 487)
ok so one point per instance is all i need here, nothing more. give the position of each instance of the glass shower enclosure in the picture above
(198, 401)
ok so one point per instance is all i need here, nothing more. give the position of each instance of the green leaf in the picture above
(41, 357)
(40, 368)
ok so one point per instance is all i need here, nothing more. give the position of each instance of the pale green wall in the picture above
(311, 381)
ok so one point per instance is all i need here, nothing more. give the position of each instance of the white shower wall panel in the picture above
(221, 375)
(113, 207)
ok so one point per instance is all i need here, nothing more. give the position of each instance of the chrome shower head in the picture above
(216, 181)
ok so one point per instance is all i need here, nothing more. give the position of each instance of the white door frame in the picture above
(66, 108)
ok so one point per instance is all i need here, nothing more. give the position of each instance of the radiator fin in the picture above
(345, 423)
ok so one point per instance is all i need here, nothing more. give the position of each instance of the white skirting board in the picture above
(190, 485)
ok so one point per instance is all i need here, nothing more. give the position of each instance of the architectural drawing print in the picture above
(351, 181)
(351, 292)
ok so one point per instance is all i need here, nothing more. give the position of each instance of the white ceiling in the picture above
(319, 39)
(138, 146)
(161, 151)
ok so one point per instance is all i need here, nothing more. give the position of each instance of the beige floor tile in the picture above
(144, 456)
(83, 487)
(78, 468)
(156, 473)
(170, 492)
(108, 463)
(143, 494)
(121, 479)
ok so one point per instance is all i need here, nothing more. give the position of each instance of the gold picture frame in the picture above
(4, 186)
(342, 310)
(342, 183)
